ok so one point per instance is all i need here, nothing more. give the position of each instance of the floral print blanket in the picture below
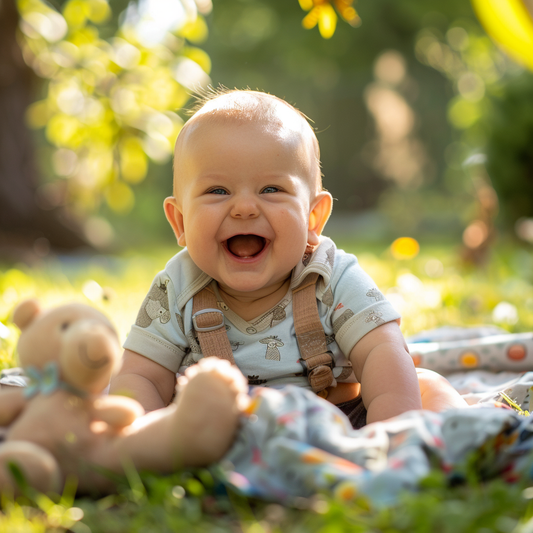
(293, 444)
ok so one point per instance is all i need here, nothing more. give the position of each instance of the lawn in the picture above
(432, 289)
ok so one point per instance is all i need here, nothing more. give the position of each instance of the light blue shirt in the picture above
(265, 348)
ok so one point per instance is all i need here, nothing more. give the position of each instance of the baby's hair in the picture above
(205, 95)
(255, 105)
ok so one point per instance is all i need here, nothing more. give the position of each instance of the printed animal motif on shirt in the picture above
(189, 360)
(327, 297)
(375, 316)
(193, 342)
(180, 322)
(269, 319)
(273, 343)
(278, 314)
(235, 345)
(330, 338)
(330, 256)
(155, 306)
(339, 322)
(254, 380)
(375, 294)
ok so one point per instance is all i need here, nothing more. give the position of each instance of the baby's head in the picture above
(248, 196)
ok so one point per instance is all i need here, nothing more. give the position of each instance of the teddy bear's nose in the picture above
(91, 358)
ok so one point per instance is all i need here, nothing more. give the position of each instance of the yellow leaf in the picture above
(84, 36)
(76, 13)
(161, 93)
(133, 161)
(102, 132)
(311, 19)
(510, 24)
(198, 56)
(98, 164)
(195, 31)
(306, 5)
(463, 113)
(181, 96)
(99, 11)
(119, 197)
(61, 129)
(348, 13)
(327, 21)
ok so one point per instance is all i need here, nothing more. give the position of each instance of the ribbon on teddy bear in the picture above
(47, 381)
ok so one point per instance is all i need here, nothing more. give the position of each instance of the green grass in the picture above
(433, 289)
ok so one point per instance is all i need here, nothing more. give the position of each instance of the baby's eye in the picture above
(217, 191)
(65, 325)
(271, 189)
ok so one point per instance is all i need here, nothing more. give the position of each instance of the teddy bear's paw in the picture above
(38, 467)
(213, 372)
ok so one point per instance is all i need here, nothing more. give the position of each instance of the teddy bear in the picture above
(62, 425)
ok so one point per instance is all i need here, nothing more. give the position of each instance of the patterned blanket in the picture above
(294, 444)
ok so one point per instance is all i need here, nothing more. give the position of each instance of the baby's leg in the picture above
(437, 392)
(197, 429)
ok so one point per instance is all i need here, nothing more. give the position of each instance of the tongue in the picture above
(245, 245)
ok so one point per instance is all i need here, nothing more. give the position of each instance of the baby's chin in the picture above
(251, 288)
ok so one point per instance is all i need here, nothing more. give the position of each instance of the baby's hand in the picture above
(216, 377)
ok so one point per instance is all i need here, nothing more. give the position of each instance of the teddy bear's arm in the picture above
(116, 411)
(12, 402)
(195, 430)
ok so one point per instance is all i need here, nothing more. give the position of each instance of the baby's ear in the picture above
(175, 219)
(320, 211)
(25, 313)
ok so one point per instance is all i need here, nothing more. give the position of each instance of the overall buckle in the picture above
(208, 328)
(305, 366)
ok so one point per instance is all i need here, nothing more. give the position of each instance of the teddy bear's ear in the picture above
(25, 312)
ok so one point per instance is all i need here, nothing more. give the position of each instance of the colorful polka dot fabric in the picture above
(447, 350)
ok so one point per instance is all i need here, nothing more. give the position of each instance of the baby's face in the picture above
(244, 193)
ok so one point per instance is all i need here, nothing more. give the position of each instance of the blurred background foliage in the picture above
(418, 113)
(426, 132)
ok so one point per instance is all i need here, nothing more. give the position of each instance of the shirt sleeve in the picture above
(358, 305)
(158, 332)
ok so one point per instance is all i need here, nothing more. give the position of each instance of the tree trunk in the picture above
(24, 225)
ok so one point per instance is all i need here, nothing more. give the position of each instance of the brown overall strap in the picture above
(317, 361)
(208, 322)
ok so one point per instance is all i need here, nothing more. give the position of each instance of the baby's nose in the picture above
(245, 206)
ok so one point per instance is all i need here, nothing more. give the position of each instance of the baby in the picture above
(249, 207)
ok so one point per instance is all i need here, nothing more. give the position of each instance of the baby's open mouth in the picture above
(246, 245)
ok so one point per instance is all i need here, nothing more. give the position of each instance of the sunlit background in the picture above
(424, 116)
(425, 123)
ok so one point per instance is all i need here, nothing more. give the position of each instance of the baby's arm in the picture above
(383, 366)
(151, 384)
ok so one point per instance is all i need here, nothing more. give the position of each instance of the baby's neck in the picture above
(251, 305)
